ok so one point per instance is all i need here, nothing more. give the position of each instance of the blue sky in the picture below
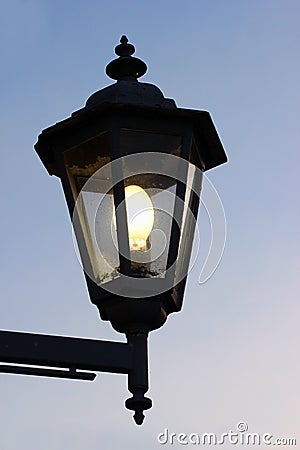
(231, 354)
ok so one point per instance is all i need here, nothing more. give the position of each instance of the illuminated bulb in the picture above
(140, 216)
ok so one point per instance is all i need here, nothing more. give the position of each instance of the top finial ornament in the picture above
(125, 67)
(124, 49)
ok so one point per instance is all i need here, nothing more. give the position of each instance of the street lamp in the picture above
(107, 155)
(131, 164)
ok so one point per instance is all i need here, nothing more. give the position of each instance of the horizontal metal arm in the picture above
(63, 352)
(52, 373)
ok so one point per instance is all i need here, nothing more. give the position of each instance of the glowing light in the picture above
(140, 216)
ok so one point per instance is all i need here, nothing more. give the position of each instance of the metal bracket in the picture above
(68, 357)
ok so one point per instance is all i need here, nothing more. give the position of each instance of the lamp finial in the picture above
(125, 67)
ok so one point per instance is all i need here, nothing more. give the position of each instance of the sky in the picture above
(231, 355)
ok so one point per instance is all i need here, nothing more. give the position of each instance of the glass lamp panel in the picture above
(90, 179)
(149, 217)
(95, 229)
(150, 180)
(189, 217)
(95, 211)
(84, 160)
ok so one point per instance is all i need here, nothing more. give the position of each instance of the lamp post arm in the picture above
(69, 357)
(62, 352)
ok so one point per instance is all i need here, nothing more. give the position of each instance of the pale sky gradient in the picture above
(232, 354)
